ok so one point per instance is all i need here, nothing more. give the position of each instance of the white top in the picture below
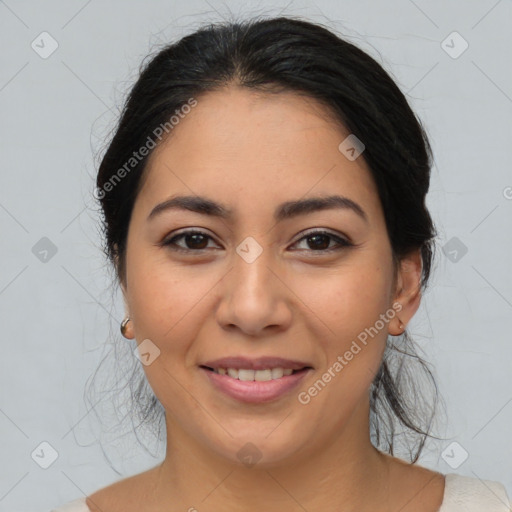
(467, 494)
(461, 494)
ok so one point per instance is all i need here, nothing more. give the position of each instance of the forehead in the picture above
(240, 146)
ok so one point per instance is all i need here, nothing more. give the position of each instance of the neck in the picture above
(345, 473)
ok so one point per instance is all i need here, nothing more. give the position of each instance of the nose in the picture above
(254, 297)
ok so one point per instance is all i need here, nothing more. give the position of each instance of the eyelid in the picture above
(341, 240)
(320, 231)
(182, 233)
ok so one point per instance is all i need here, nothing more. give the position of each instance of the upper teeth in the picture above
(259, 375)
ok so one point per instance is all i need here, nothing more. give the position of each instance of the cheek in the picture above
(348, 299)
(166, 307)
(156, 296)
(350, 304)
(167, 303)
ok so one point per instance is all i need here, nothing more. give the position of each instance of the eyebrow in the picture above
(284, 211)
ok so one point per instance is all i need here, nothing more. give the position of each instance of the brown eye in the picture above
(320, 241)
(194, 241)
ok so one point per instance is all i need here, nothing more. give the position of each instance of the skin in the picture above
(252, 152)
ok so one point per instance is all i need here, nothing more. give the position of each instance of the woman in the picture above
(264, 209)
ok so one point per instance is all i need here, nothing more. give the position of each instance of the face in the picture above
(299, 285)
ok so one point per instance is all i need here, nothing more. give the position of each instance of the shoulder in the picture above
(468, 494)
(128, 494)
(411, 487)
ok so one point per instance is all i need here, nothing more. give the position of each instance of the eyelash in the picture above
(341, 242)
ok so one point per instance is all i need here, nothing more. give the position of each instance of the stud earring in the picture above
(124, 323)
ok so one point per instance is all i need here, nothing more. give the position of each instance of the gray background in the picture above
(57, 311)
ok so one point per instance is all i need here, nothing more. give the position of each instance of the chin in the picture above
(259, 449)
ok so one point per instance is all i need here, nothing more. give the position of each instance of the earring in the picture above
(124, 323)
(401, 326)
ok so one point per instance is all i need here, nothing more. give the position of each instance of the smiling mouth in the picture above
(264, 375)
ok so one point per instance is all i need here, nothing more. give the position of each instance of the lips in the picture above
(256, 380)
(260, 363)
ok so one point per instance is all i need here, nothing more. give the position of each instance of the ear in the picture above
(129, 327)
(407, 292)
(128, 332)
(116, 266)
